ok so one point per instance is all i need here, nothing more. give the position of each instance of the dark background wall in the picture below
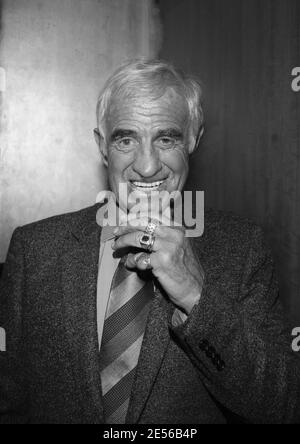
(249, 161)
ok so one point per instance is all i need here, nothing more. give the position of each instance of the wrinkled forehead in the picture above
(167, 106)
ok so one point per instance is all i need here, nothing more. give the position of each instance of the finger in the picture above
(164, 231)
(131, 260)
(142, 261)
(130, 218)
(126, 218)
(135, 224)
(132, 225)
(161, 219)
(134, 240)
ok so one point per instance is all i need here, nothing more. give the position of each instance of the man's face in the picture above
(147, 144)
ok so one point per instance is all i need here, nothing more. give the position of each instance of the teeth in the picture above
(147, 185)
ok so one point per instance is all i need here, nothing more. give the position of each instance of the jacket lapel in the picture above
(153, 349)
(79, 265)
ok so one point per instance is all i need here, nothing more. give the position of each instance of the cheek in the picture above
(177, 161)
(117, 164)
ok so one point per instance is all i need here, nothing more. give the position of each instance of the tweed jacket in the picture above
(231, 361)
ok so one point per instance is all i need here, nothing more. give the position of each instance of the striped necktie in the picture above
(124, 327)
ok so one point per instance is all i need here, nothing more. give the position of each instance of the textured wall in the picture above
(56, 55)
(249, 161)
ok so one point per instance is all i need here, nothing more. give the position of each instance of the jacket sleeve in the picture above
(12, 367)
(242, 347)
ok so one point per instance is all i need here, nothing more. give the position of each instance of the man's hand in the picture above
(172, 261)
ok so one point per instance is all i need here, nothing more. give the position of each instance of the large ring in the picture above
(151, 227)
(147, 261)
(147, 241)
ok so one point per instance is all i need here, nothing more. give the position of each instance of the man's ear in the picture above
(102, 145)
(194, 141)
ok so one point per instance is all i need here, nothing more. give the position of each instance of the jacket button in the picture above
(221, 366)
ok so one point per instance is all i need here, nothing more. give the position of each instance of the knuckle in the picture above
(142, 257)
(138, 258)
(165, 257)
(130, 258)
(161, 232)
(130, 261)
(118, 242)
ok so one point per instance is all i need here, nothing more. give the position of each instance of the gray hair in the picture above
(152, 78)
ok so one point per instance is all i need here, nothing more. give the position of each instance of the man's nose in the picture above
(147, 162)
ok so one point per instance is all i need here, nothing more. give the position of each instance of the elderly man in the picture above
(143, 324)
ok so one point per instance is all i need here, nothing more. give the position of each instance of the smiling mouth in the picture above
(145, 186)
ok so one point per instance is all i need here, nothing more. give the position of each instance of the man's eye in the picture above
(166, 142)
(126, 143)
